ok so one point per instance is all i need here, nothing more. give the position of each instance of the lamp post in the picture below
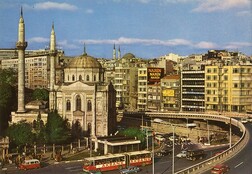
(230, 133)
(153, 154)
(157, 120)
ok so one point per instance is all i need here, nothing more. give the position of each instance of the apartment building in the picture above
(37, 66)
(170, 93)
(193, 90)
(149, 89)
(228, 87)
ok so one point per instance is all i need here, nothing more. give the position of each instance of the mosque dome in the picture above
(128, 56)
(84, 61)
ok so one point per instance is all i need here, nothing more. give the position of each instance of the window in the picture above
(68, 105)
(87, 78)
(89, 106)
(94, 77)
(78, 103)
(73, 78)
(80, 77)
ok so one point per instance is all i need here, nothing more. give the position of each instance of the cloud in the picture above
(205, 45)
(38, 40)
(171, 43)
(236, 45)
(67, 45)
(217, 5)
(89, 11)
(244, 13)
(51, 5)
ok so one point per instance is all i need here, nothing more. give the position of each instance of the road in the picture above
(241, 163)
(163, 165)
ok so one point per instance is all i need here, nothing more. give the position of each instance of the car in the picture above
(171, 138)
(92, 172)
(185, 139)
(130, 169)
(220, 169)
(159, 138)
(163, 152)
(182, 154)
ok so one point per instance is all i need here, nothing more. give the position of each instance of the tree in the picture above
(39, 130)
(57, 129)
(21, 133)
(134, 132)
(8, 79)
(76, 131)
(40, 94)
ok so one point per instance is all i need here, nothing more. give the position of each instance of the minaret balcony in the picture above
(21, 45)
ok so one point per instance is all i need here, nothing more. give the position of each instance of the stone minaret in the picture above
(119, 53)
(53, 53)
(21, 46)
(114, 53)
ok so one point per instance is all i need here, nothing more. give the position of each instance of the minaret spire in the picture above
(53, 53)
(84, 53)
(119, 53)
(114, 53)
(21, 46)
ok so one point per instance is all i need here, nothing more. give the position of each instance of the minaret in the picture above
(119, 53)
(21, 46)
(114, 53)
(53, 53)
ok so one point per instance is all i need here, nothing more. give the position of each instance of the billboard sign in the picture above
(154, 75)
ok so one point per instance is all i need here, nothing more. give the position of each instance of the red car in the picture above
(220, 169)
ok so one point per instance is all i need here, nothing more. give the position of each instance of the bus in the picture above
(30, 164)
(117, 161)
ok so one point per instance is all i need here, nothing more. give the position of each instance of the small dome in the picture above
(128, 56)
(84, 61)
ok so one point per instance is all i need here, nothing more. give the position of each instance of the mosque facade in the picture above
(80, 95)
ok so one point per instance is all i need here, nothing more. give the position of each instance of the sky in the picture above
(145, 28)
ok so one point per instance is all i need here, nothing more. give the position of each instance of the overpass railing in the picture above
(225, 155)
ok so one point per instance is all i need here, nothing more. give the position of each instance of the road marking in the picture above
(238, 165)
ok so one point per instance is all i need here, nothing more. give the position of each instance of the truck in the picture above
(195, 154)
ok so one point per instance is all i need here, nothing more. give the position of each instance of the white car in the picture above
(159, 138)
(182, 154)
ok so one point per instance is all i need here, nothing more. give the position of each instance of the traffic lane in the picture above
(241, 162)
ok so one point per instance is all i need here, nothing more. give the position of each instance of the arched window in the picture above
(87, 78)
(68, 78)
(89, 106)
(94, 78)
(68, 105)
(78, 103)
(80, 77)
(73, 78)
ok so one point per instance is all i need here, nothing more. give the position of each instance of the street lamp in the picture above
(158, 120)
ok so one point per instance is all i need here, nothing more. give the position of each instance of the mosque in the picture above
(80, 95)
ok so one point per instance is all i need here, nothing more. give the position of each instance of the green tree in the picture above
(39, 130)
(76, 130)
(8, 76)
(134, 132)
(8, 79)
(21, 133)
(40, 94)
(57, 129)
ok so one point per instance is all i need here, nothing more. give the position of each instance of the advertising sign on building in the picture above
(168, 93)
(154, 75)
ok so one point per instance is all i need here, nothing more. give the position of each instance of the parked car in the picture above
(182, 154)
(171, 138)
(159, 138)
(185, 139)
(130, 169)
(220, 169)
